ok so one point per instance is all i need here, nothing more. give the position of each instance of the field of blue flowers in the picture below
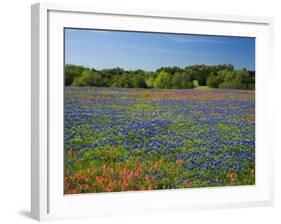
(119, 139)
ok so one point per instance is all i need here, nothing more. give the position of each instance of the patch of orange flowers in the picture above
(231, 176)
(111, 177)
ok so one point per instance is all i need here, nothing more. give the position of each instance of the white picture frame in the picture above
(47, 199)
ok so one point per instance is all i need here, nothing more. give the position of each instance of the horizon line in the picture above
(91, 67)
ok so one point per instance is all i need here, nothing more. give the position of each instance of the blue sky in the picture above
(149, 51)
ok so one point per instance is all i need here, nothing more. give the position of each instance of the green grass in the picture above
(204, 88)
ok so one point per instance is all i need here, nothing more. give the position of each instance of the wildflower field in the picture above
(121, 139)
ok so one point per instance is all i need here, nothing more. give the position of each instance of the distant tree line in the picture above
(222, 76)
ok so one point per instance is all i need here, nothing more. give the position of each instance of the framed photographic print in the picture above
(139, 111)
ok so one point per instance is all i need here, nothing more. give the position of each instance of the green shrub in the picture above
(88, 78)
(182, 81)
(234, 84)
(163, 80)
(213, 81)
